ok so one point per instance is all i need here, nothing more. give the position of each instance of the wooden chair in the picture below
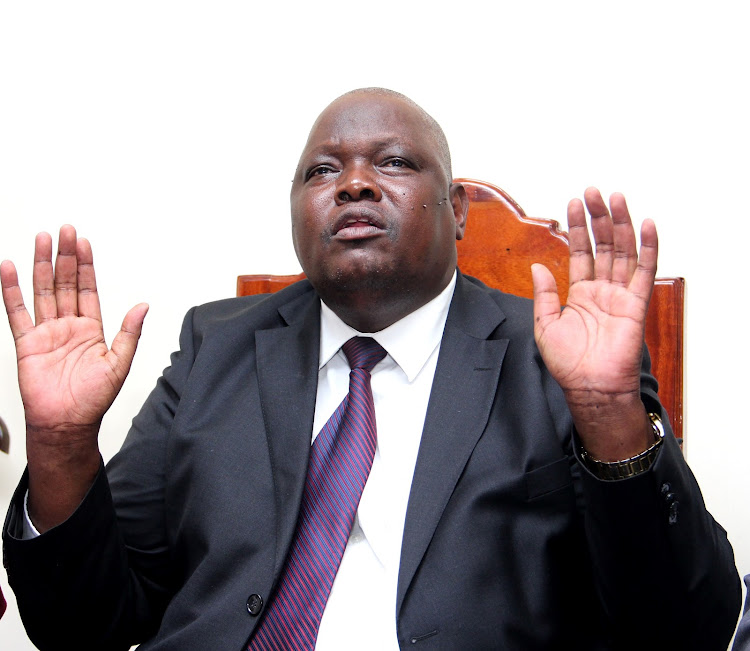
(500, 245)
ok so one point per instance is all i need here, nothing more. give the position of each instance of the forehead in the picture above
(369, 119)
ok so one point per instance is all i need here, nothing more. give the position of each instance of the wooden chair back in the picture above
(499, 247)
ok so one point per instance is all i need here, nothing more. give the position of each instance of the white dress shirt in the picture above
(361, 609)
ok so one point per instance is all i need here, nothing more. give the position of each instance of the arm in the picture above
(593, 348)
(67, 375)
(664, 568)
(68, 378)
(100, 580)
(103, 578)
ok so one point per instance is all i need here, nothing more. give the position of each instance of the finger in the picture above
(642, 283)
(581, 255)
(88, 296)
(626, 254)
(18, 316)
(126, 341)
(45, 304)
(66, 273)
(546, 299)
(601, 227)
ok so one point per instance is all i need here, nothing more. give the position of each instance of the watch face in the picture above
(657, 425)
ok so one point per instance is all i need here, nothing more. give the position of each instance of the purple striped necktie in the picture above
(340, 462)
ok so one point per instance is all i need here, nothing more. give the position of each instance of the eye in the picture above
(319, 170)
(395, 162)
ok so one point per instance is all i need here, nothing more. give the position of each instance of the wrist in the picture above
(614, 428)
(632, 466)
(62, 466)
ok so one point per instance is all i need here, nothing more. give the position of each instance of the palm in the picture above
(63, 373)
(594, 346)
(67, 375)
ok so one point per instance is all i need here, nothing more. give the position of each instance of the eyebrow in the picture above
(382, 143)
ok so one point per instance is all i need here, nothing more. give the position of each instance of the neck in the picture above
(366, 310)
(370, 316)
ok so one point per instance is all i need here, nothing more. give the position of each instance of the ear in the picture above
(460, 203)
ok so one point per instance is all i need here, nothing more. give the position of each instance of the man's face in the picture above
(373, 209)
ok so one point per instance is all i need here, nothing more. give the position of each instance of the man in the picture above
(479, 526)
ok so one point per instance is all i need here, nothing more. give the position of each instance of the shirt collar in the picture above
(409, 342)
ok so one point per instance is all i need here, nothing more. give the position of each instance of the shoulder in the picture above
(257, 311)
(233, 322)
(504, 299)
(473, 299)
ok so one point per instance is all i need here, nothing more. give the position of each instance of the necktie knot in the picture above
(363, 352)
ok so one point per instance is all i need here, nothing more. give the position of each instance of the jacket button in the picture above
(254, 604)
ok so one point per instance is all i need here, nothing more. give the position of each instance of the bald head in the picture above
(431, 129)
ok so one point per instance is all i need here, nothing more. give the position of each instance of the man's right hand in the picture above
(67, 375)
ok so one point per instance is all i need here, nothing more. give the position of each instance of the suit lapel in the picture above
(468, 371)
(287, 366)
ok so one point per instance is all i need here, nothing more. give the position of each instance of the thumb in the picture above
(126, 341)
(546, 300)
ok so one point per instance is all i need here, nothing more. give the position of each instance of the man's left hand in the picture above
(593, 348)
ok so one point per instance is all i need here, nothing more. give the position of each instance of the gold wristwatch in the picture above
(614, 470)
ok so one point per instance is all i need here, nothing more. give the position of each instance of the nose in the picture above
(357, 184)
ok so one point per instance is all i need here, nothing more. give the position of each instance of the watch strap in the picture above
(641, 462)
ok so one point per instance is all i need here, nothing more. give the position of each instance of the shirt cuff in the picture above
(29, 530)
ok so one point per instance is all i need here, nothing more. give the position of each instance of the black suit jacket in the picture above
(508, 542)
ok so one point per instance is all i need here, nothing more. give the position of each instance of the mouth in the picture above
(357, 225)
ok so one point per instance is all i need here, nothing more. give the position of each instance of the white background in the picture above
(168, 133)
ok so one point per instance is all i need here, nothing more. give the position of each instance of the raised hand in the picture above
(67, 375)
(593, 347)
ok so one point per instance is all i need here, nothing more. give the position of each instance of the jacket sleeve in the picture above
(80, 585)
(665, 569)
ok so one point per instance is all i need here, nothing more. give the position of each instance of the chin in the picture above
(374, 286)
